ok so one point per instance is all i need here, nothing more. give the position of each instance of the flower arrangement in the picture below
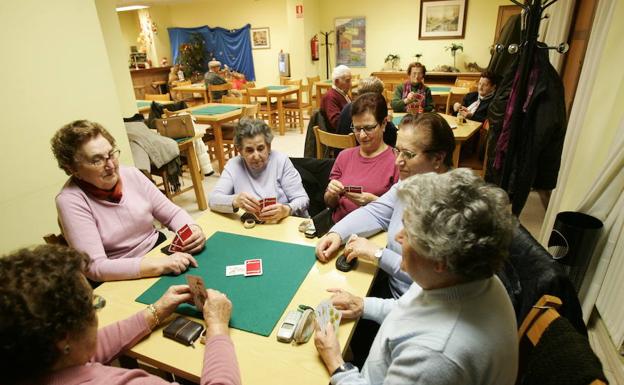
(394, 60)
(454, 47)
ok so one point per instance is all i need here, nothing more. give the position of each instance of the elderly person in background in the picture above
(456, 324)
(369, 165)
(337, 97)
(413, 94)
(49, 326)
(259, 173)
(475, 104)
(108, 211)
(371, 84)
(213, 78)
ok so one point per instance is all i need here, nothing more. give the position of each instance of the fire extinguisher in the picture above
(314, 48)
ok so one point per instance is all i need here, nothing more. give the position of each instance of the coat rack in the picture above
(327, 44)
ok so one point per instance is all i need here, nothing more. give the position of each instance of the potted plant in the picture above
(192, 57)
(454, 48)
(394, 61)
(418, 56)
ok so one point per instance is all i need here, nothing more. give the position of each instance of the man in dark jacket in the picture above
(475, 104)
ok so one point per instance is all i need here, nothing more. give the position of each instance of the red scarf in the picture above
(112, 195)
(420, 92)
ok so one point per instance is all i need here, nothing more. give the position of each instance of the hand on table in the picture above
(328, 346)
(217, 311)
(176, 263)
(196, 242)
(327, 246)
(246, 202)
(274, 212)
(350, 306)
(359, 247)
(361, 199)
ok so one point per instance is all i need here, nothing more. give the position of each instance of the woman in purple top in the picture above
(108, 211)
(256, 174)
(49, 326)
(369, 166)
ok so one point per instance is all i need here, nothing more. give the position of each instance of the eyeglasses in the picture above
(99, 160)
(98, 302)
(367, 129)
(407, 154)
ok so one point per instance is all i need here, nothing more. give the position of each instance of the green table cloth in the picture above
(214, 110)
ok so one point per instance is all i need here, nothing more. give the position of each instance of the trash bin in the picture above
(572, 243)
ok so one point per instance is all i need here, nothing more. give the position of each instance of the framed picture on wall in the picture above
(260, 38)
(351, 41)
(442, 19)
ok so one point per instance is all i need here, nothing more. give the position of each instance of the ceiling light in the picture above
(131, 8)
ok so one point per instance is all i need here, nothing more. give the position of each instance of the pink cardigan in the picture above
(220, 365)
(117, 235)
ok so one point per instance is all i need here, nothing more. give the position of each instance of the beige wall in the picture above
(130, 29)
(63, 74)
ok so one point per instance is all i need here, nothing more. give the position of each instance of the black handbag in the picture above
(183, 330)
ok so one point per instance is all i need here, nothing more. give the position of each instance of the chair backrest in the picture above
(181, 83)
(332, 140)
(310, 90)
(471, 84)
(456, 94)
(284, 79)
(548, 343)
(158, 97)
(250, 111)
(297, 96)
(249, 85)
(227, 99)
(217, 87)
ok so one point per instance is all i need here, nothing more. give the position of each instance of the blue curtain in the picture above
(231, 47)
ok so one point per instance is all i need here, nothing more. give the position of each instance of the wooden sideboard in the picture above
(143, 79)
(391, 78)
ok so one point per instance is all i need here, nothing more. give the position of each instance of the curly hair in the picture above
(69, 138)
(458, 219)
(43, 298)
(250, 128)
(441, 138)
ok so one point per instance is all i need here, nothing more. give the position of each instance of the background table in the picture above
(262, 360)
(144, 105)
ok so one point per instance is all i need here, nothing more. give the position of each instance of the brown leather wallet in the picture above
(183, 330)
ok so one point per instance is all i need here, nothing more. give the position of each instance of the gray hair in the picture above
(250, 128)
(371, 84)
(459, 220)
(340, 71)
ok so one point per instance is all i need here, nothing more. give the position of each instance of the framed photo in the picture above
(351, 41)
(442, 19)
(260, 38)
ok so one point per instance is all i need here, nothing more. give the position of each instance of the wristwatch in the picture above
(377, 256)
(344, 368)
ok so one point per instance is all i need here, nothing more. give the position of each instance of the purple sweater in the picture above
(376, 175)
(220, 365)
(117, 235)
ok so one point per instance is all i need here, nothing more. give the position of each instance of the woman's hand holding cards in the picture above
(361, 199)
(195, 242)
(246, 202)
(274, 212)
(167, 304)
(217, 311)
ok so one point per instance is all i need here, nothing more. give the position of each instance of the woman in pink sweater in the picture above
(49, 327)
(108, 211)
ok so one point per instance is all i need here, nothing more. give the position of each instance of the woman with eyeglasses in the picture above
(108, 211)
(369, 166)
(49, 326)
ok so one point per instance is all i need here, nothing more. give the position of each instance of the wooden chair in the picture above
(158, 97)
(332, 140)
(532, 332)
(293, 108)
(471, 84)
(266, 109)
(179, 95)
(284, 79)
(456, 94)
(311, 89)
(227, 132)
(231, 99)
(215, 88)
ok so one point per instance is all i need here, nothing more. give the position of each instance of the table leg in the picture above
(196, 177)
(456, 152)
(280, 116)
(318, 97)
(218, 134)
(206, 97)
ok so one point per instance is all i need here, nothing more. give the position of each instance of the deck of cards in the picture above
(198, 290)
(251, 268)
(326, 312)
(353, 189)
(267, 202)
(181, 235)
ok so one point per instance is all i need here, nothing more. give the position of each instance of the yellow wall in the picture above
(161, 17)
(130, 29)
(59, 72)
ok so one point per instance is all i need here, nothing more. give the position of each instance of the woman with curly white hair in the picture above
(455, 324)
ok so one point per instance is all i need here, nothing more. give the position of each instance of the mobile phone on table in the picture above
(287, 329)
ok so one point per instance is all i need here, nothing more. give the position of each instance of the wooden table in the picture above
(262, 360)
(143, 108)
(461, 132)
(187, 147)
(196, 87)
(323, 85)
(280, 94)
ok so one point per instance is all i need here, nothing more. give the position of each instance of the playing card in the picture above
(354, 189)
(174, 248)
(234, 270)
(253, 267)
(177, 241)
(326, 312)
(198, 290)
(185, 232)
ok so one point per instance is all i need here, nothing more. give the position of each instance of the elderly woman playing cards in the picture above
(456, 324)
(49, 325)
(108, 211)
(259, 181)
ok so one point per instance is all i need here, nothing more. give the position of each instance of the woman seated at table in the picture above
(371, 84)
(425, 144)
(259, 173)
(413, 94)
(108, 211)
(475, 104)
(50, 327)
(369, 165)
(456, 323)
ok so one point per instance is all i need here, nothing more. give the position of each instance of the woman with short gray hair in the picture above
(258, 173)
(456, 323)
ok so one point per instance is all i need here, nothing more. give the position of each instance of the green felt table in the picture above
(143, 104)
(214, 110)
(277, 88)
(257, 302)
(440, 89)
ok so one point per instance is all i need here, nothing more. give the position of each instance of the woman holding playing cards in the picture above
(456, 323)
(361, 174)
(49, 325)
(259, 181)
(108, 211)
